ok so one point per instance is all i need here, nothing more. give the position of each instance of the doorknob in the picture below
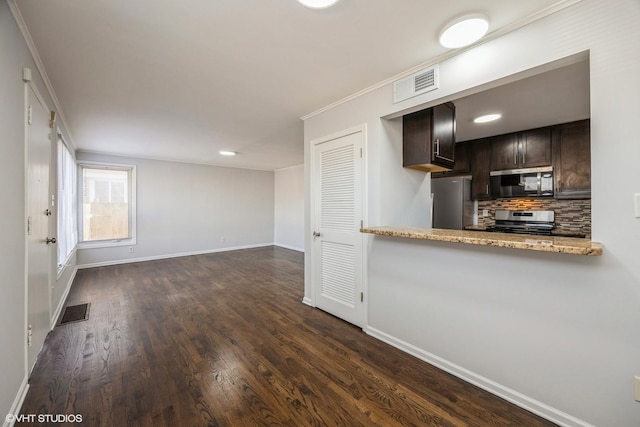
(50, 240)
(316, 234)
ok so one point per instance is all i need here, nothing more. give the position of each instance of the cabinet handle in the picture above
(437, 147)
(487, 193)
(524, 154)
(515, 153)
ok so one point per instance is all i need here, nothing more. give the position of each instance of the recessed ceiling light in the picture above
(487, 118)
(318, 4)
(464, 31)
(227, 153)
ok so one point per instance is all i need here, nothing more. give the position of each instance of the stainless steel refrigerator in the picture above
(452, 206)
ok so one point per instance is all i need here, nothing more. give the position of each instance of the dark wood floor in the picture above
(224, 340)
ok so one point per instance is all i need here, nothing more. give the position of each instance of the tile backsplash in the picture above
(570, 215)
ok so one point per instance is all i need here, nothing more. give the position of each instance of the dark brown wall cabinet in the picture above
(428, 138)
(566, 147)
(572, 160)
(480, 164)
(527, 149)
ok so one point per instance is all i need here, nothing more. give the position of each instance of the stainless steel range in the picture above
(524, 222)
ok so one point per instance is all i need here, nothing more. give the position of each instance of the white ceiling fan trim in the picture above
(542, 13)
(22, 26)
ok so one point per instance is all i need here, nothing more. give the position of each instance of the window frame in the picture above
(64, 263)
(107, 243)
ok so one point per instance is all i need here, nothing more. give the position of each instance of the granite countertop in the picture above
(565, 245)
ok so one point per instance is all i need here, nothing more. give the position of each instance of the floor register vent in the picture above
(75, 313)
(416, 84)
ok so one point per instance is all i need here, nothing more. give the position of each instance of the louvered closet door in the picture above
(337, 250)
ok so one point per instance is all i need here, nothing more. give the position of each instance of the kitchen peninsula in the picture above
(547, 331)
(564, 245)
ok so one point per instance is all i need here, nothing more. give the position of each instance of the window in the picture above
(108, 204)
(67, 204)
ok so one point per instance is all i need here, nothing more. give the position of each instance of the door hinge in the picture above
(52, 120)
(361, 296)
(361, 224)
(29, 335)
(29, 115)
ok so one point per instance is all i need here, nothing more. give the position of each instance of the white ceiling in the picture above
(180, 80)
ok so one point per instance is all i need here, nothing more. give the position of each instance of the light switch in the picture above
(636, 202)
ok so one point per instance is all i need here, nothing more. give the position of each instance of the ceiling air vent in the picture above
(416, 84)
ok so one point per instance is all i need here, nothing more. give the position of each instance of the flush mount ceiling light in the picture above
(318, 4)
(227, 153)
(464, 31)
(487, 118)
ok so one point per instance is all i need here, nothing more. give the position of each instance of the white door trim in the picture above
(314, 212)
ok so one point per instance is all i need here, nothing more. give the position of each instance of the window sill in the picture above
(107, 243)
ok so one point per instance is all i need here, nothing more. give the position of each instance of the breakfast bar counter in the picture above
(565, 245)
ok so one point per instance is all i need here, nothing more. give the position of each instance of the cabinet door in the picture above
(444, 128)
(504, 152)
(535, 148)
(416, 138)
(572, 160)
(480, 168)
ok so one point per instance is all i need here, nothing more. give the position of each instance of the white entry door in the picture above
(38, 214)
(336, 220)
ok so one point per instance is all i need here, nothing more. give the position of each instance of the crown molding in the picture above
(288, 167)
(542, 13)
(17, 16)
(166, 159)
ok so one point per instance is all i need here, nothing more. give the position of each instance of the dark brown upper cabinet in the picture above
(572, 160)
(428, 138)
(480, 161)
(526, 149)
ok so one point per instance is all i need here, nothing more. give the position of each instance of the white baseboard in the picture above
(519, 399)
(17, 402)
(63, 298)
(293, 248)
(167, 256)
(308, 302)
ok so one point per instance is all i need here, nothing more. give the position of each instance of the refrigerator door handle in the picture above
(431, 218)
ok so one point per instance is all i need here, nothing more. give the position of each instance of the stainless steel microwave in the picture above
(531, 182)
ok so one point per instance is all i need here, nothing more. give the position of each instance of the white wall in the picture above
(12, 257)
(556, 333)
(15, 55)
(289, 208)
(185, 208)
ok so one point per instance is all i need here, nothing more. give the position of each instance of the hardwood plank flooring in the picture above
(224, 340)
